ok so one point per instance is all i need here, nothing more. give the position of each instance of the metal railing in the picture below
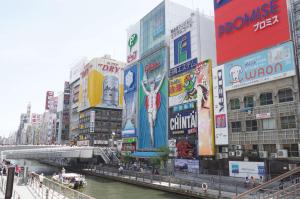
(50, 189)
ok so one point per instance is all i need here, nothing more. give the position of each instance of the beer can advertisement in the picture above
(153, 96)
(206, 140)
(183, 128)
(220, 106)
(182, 89)
(130, 98)
(248, 26)
(267, 65)
(101, 84)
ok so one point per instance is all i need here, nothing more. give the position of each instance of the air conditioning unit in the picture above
(282, 153)
(238, 147)
(231, 153)
(225, 149)
(224, 155)
(239, 153)
(263, 154)
(273, 155)
(219, 156)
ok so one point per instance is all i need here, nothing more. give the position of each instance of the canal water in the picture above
(102, 188)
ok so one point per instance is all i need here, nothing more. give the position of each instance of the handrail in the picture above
(289, 173)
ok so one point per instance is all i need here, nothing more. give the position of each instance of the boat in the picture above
(71, 180)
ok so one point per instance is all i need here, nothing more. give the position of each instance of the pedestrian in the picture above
(121, 170)
(41, 178)
(252, 182)
(261, 179)
(246, 182)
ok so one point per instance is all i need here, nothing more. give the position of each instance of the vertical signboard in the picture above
(92, 121)
(246, 27)
(220, 106)
(153, 96)
(133, 43)
(153, 29)
(49, 98)
(183, 128)
(130, 99)
(205, 108)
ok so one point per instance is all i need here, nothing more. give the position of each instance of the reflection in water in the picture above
(101, 188)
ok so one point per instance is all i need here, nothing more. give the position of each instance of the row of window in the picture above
(284, 95)
(287, 122)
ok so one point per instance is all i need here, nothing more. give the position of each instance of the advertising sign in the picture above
(182, 89)
(191, 166)
(248, 27)
(183, 128)
(184, 49)
(267, 65)
(92, 121)
(101, 84)
(205, 110)
(133, 43)
(244, 169)
(220, 106)
(153, 29)
(263, 116)
(76, 70)
(49, 98)
(153, 96)
(130, 98)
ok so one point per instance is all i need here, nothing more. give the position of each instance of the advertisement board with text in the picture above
(244, 169)
(133, 43)
(186, 165)
(248, 26)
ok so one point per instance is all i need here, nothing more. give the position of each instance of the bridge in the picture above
(56, 151)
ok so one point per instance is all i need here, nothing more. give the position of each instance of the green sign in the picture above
(129, 140)
(132, 41)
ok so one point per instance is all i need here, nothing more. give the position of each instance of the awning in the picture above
(145, 154)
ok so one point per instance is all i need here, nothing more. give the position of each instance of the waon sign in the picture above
(247, 26)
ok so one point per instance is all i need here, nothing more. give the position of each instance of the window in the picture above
(285, 95)
(248, 101)
(266, 98)
(235, 104)
(288, 122)
(251, 125)
(236, 126)
(269, 124)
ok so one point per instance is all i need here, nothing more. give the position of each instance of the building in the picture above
(100, 101)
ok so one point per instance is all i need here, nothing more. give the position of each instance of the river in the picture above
(102, 188)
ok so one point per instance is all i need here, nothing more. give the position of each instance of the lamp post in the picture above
(112, 138)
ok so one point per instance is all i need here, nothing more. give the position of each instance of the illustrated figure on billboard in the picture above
(235, 72)
(152, 100)
(189, 86)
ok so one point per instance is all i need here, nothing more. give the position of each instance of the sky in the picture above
(40, 40)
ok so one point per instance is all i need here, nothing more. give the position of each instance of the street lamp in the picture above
(112, 138)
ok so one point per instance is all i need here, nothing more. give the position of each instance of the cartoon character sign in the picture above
(235, 73)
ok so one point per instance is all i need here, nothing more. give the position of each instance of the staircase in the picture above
(107, 154)
(285, 186)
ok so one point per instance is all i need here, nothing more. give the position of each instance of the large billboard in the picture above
(133, 43)
(130, 99)
(205, 108)
(249, 26)
(220, 106)
(183, 128)
(101, 84)
(186, 165)
(267, 65)
(153, 29)
(182, 89)
(184, 49)
(49, 99)
(153, 96)
(244, 169)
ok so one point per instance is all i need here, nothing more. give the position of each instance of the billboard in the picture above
(220, 106)
(250, 27)
(182, 89)
(191, 166)
(267, 65)
(49, 99)
(76, 70)
(101, 84)
(183, 129)
(130, 99)
(184, 49)
(153, 96)
(153, 29)
(205, 108)
(133, 43)
(246, 169)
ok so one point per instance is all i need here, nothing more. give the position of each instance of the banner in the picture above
(244, 169)
(49, 99)
(133, 43)
(191, 166)
(267, 65)
(153, 96)
(130, 98)
(220, 106)
(205, 108)
(182, 89)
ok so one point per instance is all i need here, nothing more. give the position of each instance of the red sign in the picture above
(248, 26)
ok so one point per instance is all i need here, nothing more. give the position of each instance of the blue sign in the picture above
(183, 67)
(235, 168)
(182, 48)
(267, 65)
(220, 3)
